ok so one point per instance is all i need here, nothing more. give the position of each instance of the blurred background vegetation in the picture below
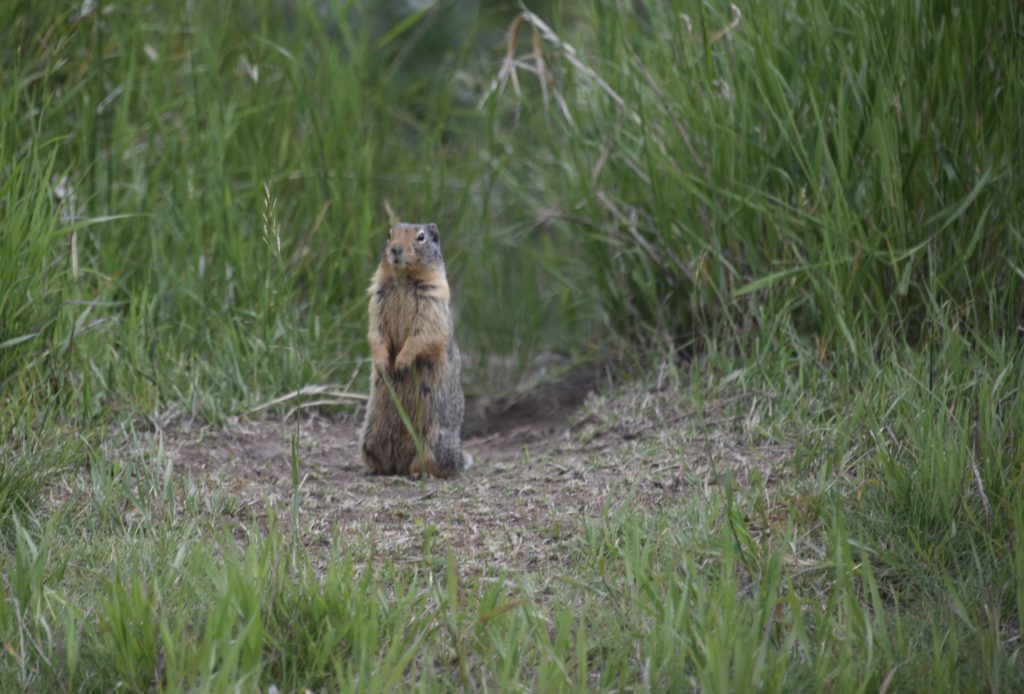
(193, 194)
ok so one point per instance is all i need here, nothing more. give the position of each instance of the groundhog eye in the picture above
(421, 237)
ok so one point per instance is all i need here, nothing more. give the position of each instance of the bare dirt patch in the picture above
(545, 461)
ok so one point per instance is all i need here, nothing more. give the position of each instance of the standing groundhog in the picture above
(416, 363)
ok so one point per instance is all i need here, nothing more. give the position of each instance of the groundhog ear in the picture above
(434, 232)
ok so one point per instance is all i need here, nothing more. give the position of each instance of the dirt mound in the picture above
(545, 460)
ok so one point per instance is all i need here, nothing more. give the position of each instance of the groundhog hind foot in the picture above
(451, 465)
(374, 463)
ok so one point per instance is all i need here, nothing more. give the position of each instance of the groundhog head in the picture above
(410, 245)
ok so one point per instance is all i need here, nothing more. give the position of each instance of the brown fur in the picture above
(415, 361)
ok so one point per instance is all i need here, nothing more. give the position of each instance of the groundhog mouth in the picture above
(397, 257)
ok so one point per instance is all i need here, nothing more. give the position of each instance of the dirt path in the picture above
(544, 462)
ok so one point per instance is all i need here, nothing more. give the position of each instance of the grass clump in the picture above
(849, 167)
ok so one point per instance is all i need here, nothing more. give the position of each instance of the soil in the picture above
(546, 460)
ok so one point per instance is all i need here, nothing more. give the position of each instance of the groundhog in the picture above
(416, 363)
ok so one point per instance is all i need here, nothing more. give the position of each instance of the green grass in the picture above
(683, 598)
(820, 205)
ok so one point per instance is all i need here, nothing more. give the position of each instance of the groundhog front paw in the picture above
(380, 357)
(403, 361)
